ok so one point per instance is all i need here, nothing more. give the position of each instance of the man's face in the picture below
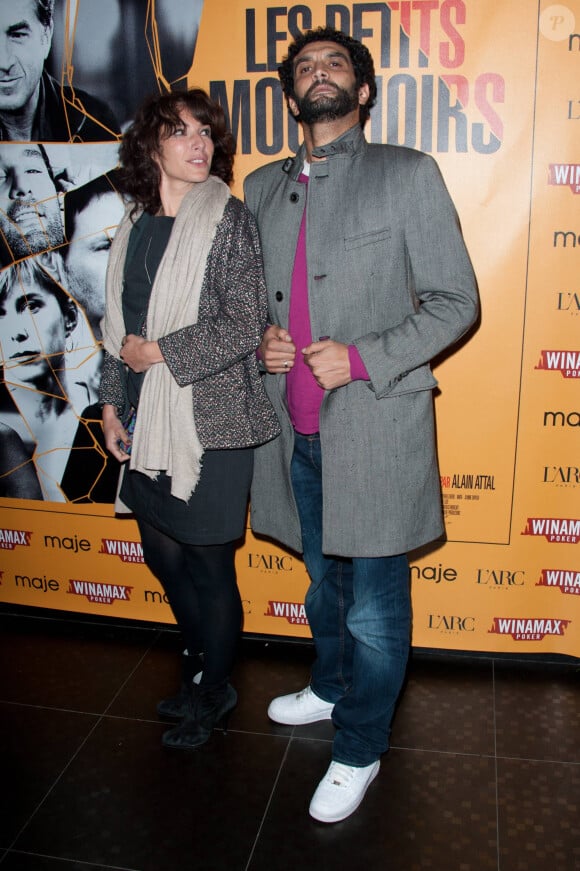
(30, 217)
(88, 252)
(325, 84)
(24, 46)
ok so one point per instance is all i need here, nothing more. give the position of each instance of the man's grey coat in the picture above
(387, 271)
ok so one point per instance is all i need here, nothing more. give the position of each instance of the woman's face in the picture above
(33, 331)
(185, 156)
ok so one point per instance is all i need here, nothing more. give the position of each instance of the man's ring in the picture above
(285, 364)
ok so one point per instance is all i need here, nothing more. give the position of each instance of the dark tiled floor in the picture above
(483, 773)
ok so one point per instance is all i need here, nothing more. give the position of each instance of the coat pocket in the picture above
(371, 238)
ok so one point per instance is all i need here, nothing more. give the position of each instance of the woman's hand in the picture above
(277, 350)
(115, 434)
(139, 354)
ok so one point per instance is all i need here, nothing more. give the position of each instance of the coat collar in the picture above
(346, 145)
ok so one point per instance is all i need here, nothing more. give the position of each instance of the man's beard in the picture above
(37, 235)
(327, 107)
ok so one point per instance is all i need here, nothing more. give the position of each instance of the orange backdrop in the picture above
(491, 90)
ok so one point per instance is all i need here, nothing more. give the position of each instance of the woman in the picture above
(185, 310)
(37, 318)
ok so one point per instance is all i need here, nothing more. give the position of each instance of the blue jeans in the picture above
(359, 611)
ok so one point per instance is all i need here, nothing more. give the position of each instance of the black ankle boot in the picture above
(176, 707)
(208, 709)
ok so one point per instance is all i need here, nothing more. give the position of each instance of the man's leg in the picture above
(327, 602)
(379, 622)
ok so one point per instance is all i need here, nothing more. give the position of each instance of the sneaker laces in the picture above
(340, 775)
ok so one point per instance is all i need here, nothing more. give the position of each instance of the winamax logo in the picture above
(568, 582)
(11, 538)
(565, 362)
(293, 612)
(127, 551)
(556, 530)
(100, 594)
(528, 628)
(565, 175)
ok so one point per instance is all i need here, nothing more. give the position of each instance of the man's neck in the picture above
(325, 132)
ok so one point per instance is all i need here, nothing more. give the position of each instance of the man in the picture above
(368, 280)
(91, 215)
(33, 105)
(30, 216)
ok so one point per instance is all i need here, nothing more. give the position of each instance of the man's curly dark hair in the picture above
(364, 68)
(155, 120)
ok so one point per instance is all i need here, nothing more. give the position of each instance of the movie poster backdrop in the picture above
(491, 91)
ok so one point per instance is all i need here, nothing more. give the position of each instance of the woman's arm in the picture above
(236, 298)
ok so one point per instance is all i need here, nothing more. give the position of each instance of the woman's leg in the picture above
(200, 584)
(167, 559)
(212, 571)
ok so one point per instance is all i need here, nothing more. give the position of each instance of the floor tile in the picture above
(37, 744)
(71, 665)
(128, 801)
(263, 671)
(446, 705)
(30, 862)
(538, 711)
(424, 811)
(539, 815)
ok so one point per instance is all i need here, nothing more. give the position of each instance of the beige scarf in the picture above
(165, 437)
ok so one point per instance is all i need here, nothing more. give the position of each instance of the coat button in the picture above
(294, 198)
(279, 296)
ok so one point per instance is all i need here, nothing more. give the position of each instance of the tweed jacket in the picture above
(217, 355)
(388, 271)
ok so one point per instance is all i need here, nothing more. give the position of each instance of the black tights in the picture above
(200, 584)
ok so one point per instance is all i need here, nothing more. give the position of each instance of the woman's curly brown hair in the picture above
(157, 118)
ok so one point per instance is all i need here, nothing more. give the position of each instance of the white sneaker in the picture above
(297, 709)
(341, 790)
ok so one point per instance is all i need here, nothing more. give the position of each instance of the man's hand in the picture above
(277, 350)
(329, 363)
(139, 354)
